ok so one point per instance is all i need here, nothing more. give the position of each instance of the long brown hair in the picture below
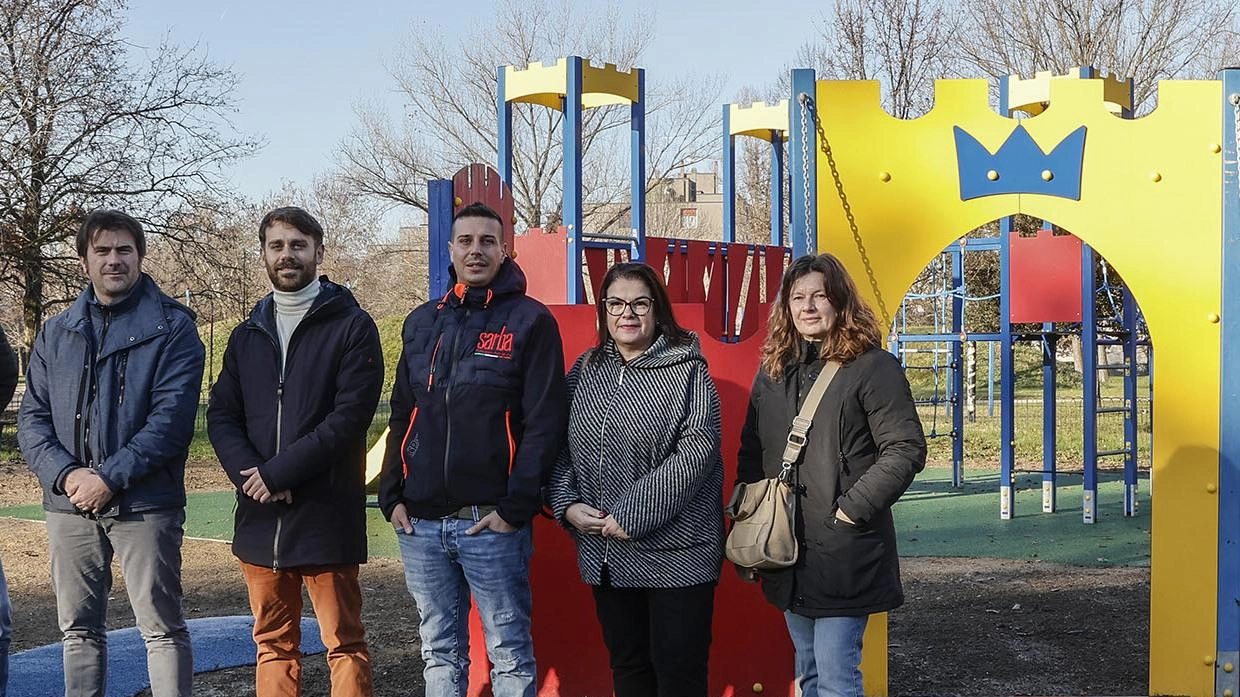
(854, 331)
(664, 319)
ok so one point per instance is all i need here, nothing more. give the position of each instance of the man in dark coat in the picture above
(288, 419)
(105, 423)
(478, 417)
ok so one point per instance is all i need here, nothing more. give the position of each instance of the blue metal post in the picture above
(777, 189)
(729, 177)
(1089, 386)
(503, 133)
(957, 364)
(803, 164)
(1049, 414)
(572, 215)
(990, 377)
(637, 162)
(1007, 369)
(1228, 640)
(1007, 379)
(1130, 404)
(438, 232)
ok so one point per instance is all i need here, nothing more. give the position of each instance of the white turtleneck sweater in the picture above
(290, 309)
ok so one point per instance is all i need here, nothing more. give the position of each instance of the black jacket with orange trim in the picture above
(479, 406)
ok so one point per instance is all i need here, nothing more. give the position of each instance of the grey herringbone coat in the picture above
(643, 445)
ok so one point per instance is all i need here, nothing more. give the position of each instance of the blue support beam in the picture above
(777, 188)
(1228, 625)
(1089, 385)
(439, 197)
(637, 164)
(1130, 404)
(803, 164)
(1007, 369)
(572, 215)
(1007, 379)
(729, 177)
(1049, 423)
(503, 133)
(957, 363)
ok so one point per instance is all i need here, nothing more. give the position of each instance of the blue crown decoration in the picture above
(1020, 166)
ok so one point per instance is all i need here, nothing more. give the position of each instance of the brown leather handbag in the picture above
(763, 513)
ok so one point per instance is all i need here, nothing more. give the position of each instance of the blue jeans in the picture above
(443, 566)
(149, 547)
(6, 632)
(828, 654)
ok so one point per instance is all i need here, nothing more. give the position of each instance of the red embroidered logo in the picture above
(495, 344)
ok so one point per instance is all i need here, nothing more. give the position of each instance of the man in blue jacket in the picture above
(288, 419)
(478, 416)
(106, 421)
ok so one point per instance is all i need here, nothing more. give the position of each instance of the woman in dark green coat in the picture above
(863, 450)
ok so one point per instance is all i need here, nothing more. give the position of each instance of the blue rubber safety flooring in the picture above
(219, 642)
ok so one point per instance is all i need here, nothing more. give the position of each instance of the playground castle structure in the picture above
(883, 195)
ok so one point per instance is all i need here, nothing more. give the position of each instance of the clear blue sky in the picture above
(305, 65)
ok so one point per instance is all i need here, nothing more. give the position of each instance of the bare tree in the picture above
(905, 44)
(84, 124)
(1147, 40)
(450, 121)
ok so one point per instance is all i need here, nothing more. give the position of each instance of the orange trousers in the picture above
(275, 600)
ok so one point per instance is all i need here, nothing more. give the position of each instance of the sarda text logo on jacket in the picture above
(495, 344)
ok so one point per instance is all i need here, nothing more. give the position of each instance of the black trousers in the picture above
(658, 638)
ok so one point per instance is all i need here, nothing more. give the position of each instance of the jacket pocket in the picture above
(851, 558)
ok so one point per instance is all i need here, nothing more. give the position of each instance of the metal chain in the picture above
(804, 99)
(1235, 110)
(825, 146)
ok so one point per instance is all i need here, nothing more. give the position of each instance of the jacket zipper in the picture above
(447, 399)
(512, 444)
(602, 440)
(275, 341)
(404, 462)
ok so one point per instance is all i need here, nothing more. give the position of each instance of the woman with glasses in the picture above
(639, 487)
(861, 453)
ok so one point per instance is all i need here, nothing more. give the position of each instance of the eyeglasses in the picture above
(639, 306)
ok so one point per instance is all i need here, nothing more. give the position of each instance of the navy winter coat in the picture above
(305, 432)
(147, 374)
(479, 405)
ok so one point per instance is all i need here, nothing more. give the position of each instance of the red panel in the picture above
(543, 257)
(597, 262)
(737, 258)
(751, 642)
(754, 310)
(774, 270)
(698, 258)
(480, 183)
(656, 255)
(677, 273)
(1045, 278)
(716, 296)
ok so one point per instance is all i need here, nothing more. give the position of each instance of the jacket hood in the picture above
(662, 353)
(331, 299)
(509, 280)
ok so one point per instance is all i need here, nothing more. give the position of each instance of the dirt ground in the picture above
(969, 626)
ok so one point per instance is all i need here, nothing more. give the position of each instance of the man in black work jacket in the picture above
(478, 416)
(288, 419)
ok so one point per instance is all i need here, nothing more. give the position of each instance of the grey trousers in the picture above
(149, 547)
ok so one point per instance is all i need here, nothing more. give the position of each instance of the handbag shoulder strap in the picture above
(805, 418)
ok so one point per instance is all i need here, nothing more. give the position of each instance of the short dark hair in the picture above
(478, 209)
(108, 219)
(293, 217)
(664, 318)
